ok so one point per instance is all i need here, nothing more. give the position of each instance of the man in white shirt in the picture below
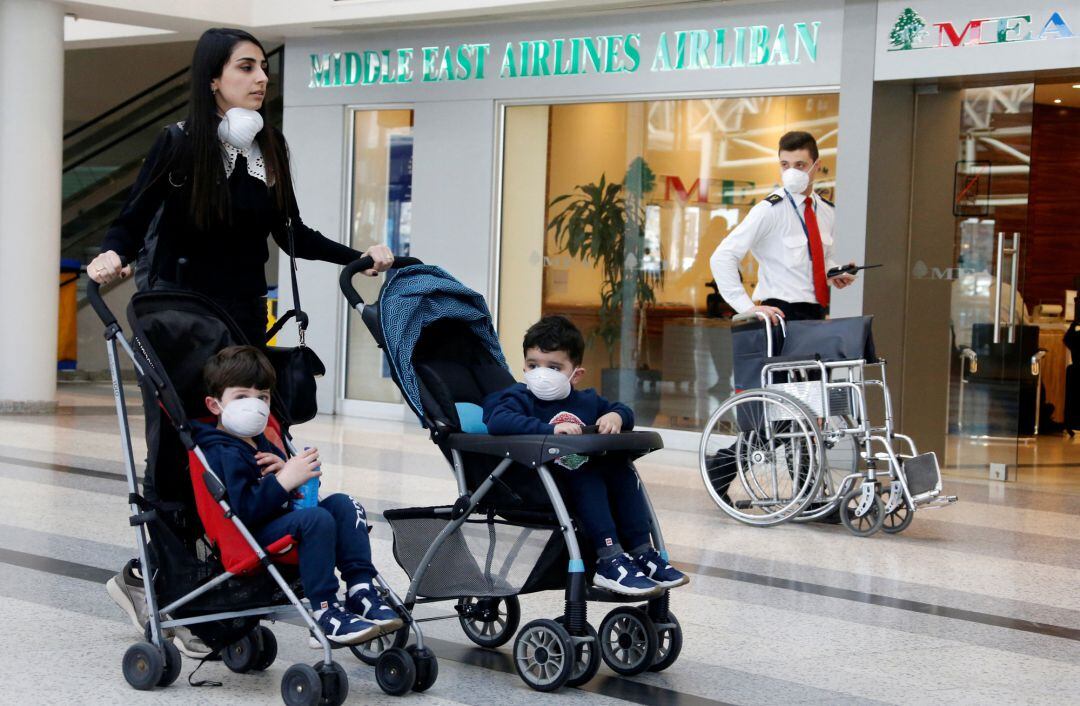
(790, 234)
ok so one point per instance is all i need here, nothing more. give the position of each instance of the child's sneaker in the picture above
(621, 575)
(366, 602)
(659, 570)
(344, 628)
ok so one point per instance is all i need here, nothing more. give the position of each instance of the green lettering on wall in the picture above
(404, 65)
(699, 49)
(372, 67)
(662, 60)
(540, 55)
(739, 53)
(720, 60)
(759, 45)
(482, 51)
(680, 51)
(1004, 29)
(806, 37)
(429, 53)
(633, 52)
(387, 76)
(509, 68)
(464, 60)
(446, 69)
(575, 56)
(613, 55)
(352, 68)
(592, 52)
(781, 55)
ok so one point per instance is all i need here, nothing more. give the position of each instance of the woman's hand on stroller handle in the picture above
(108, 266)
(93, 294)
(367, 263)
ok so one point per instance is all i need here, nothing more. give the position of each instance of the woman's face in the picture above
(243, 80)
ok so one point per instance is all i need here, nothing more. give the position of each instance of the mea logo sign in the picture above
(911, 31)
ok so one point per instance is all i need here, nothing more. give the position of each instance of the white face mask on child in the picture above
(548, 384)
(245, 417)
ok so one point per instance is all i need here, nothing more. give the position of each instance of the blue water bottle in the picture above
(307, 495)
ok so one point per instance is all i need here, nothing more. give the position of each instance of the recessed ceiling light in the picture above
(1057, 100)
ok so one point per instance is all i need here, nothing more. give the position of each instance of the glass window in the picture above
(629, 262)
(381, 212)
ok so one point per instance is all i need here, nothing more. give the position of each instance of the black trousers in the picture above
(798, 311)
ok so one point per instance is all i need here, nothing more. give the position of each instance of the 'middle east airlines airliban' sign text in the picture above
(725, 48)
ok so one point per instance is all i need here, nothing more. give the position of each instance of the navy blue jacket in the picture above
(515, 410)
(255, 499)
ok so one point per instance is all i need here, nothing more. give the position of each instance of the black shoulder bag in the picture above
(298, 366)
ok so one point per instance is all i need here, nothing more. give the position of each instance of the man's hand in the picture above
(772, 312)
(271, 463)
(610, 423)
(842, 280)
(567, 428)
(299, 470)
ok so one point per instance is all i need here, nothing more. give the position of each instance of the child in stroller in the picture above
(606, 495)
(259, 484)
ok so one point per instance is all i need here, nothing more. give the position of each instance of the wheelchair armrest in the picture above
(535, 449)
(972, 358)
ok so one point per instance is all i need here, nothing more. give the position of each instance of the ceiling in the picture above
(1068, 93)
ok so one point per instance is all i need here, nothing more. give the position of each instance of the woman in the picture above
(212, 189)
(221, 184)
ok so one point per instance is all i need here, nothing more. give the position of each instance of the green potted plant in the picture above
(604, 224)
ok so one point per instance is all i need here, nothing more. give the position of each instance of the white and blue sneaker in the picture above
(659, 570)
(344, 628)
(619, 574)
(366, 602)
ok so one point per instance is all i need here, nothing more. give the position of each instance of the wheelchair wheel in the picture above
(368, 652)
(489, 622)
(841, 462)
(862, 512)
(544, 655)
(668, 643)
(628, 641)
(761, 457)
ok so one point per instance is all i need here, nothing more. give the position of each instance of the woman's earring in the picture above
(213, 91)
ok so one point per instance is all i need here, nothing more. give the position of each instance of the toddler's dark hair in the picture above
(556, 333)
(238, 366)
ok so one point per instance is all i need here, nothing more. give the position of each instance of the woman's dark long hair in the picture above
(209, 195)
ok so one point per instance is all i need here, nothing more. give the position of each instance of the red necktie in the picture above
(817, 254)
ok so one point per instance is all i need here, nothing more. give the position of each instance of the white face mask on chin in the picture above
(548, 384)
(239, 127)
(795, 180)
(245, 417)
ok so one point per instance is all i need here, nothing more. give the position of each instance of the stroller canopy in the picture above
(416, 297)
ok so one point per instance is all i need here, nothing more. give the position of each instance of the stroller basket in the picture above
(485, 556)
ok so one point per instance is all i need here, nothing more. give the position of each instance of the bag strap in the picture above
(296, 312)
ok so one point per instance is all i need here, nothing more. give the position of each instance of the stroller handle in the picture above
(93, 295)
(365, 263)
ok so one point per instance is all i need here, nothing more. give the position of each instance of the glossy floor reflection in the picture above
(976, 603)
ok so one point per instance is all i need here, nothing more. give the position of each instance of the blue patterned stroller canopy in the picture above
(416, 297)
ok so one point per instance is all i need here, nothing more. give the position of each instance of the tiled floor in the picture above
(976, 603)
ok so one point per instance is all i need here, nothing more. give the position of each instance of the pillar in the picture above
(31, 159)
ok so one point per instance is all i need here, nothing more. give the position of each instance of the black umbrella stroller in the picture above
(509, 531)
(201, 567)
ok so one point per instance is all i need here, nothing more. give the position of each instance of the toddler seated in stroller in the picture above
(604, 492)
(260, 484)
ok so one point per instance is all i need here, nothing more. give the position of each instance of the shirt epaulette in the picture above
(774, 199)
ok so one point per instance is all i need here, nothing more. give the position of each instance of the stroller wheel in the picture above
(870, 521)
(544, 655)
(395, 672)
(242, 655)
(368, 652)
(628, 640)
(143, 666)
(172, 661)
(489, 622)
(668, 643)
(301, 686)
(335, 683)
(267, 648)
(427, 667)
(586, 657)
